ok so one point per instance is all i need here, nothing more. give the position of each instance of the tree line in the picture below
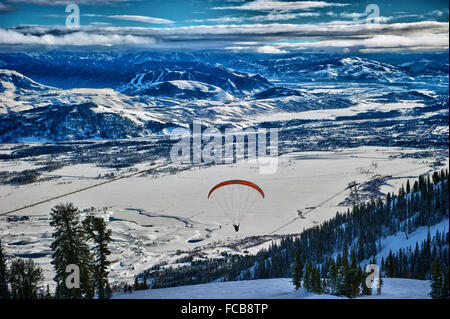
(83, 244)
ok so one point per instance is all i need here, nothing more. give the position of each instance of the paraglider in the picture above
(235, 198)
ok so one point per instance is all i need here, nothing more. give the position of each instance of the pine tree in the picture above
(365, 290)
(307, 276)
(70, 247)
(332, 278)
(145, 285)
(379, 283)
(445, 282)
(4, 292)
(48, 294)
(390, 265)
(297, 271)
(436, 281)
(316, 285)
(25, 278)
(341, 281)
(354, 275)
(96, 231)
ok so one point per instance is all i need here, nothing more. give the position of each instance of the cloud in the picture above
(78, 38)
(353, 15)
(269, 49)
(92, 15)
(259, 18)
(417, 40)
(426, 35)
(96, 23)
(54, 16)
(144, 19)
(275, 5)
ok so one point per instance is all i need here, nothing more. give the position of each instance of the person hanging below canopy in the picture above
(235, 198)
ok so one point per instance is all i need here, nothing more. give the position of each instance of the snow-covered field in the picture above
(279, 288)
(154, 216)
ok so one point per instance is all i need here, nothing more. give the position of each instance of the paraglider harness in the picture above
(236, 227)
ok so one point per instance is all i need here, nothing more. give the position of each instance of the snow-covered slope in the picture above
(279, 288)
(158, 79)
(14, 82)
(181, 89)
(402, 241)
(31, 111)
(333, 68)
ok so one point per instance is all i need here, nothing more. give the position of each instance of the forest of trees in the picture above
(83, 244)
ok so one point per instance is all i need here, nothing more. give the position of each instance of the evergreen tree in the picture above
(96, 231)
(144, 284)
(4, 292)
(297, 271)
(379, 283)
(436, 281)
(307, 276)
(316, 285)
(390, 265)
(365, 290)
(25, 278)
(48, 295)
(70, 247)
(445, 282)
(354, 275)
(136, 283)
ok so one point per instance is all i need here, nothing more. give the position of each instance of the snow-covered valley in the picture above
(157, 219)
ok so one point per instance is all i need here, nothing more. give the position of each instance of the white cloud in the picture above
(79, 38)
(283, 16)
(97, 23)
(259, 18)
(275, 5)
(426, 35)
(269, 49)
(380, 42)
(353, 15)
(144, 19)
(92, 15)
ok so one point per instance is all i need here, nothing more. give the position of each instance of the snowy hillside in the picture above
(182, 89)
(279, 288)
(333, 68)
(153, 72)
(400, 240)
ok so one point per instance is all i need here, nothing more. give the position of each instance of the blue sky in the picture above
(271, 26)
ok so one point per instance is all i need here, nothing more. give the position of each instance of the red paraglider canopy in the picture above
(234, 182)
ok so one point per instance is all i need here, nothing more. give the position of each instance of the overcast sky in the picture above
(267, 26)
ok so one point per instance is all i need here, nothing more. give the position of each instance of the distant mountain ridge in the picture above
(82, 95)
(246, 71)
(234, 83)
